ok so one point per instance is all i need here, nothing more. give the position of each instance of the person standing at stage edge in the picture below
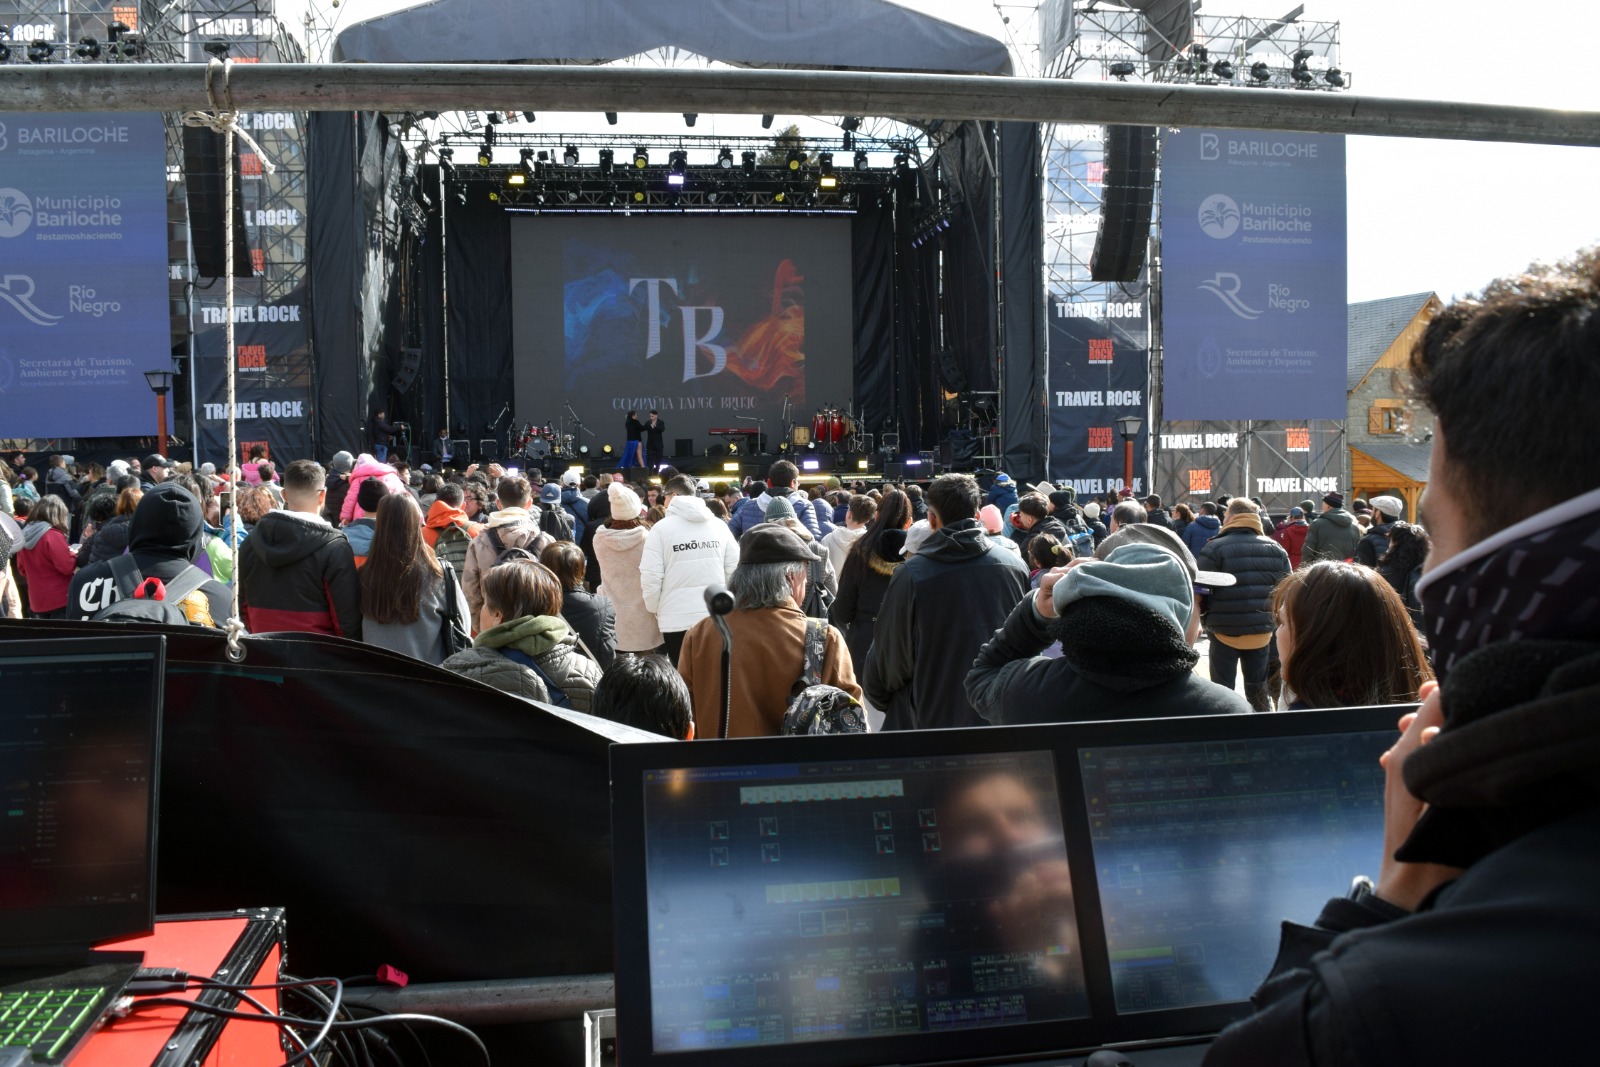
(632, 452)
(941, 606)
(654, 429)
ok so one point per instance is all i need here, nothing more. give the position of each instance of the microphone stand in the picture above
(719, 601)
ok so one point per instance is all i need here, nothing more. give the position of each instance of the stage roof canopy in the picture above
(811, 34)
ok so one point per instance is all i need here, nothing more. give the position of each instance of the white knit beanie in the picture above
(625, 503)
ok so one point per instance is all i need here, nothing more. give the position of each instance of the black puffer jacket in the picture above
(1258, 563)
(108, 541)
(297, 573)
(1119, 661)
(940, 608)
(1374, 545)
(861, 589)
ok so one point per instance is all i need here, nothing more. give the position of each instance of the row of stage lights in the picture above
(1196, 65)
(123, 43)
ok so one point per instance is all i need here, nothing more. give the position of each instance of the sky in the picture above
(1440, 216)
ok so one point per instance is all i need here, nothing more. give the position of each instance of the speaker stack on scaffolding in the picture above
(1128, 193)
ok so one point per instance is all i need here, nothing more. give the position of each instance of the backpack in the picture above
(451, 546)
(554, 520)
(149, 600)
(1079, 537)
(815, 708)
(819, 601)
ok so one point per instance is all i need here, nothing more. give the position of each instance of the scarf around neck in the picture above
(1537, 579)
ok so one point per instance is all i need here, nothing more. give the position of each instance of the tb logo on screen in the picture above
(692, 341)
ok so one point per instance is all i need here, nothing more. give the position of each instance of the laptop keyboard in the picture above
(45, 1019)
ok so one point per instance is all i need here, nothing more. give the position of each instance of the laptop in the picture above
(972, 896)
(80, 727)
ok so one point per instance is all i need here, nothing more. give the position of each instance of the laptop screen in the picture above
(1202, 848)
(820, 901)
(78, 768)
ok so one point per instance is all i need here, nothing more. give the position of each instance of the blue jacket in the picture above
(1201, 530)
(578, 508)
(1002, 497)
(752, 512)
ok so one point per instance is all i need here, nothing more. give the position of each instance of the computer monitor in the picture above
(80, 728)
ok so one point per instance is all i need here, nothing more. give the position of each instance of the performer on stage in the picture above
(382, 436)
(632, 454)
(653, 430)
(443, 455)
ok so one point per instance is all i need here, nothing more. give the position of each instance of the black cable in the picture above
(329, 1024)
(307, 1049)
(320, 1000)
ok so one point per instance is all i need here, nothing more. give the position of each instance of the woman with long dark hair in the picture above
(592, 617)
(870, 564)
(1345, 638)
(1401, 565)
(403, 589)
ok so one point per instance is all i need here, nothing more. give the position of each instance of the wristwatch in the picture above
(1364, 893)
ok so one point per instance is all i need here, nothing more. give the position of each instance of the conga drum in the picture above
(820, 427)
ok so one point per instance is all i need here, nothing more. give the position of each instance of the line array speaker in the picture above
(1127, 192)
(202, 181)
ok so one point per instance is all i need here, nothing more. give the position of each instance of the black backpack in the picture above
(815, 708)
(149, 600)
(819, 602)
(554, 520)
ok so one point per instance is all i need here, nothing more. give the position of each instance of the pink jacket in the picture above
(367, 467)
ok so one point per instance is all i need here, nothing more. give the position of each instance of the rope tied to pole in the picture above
(223, 118)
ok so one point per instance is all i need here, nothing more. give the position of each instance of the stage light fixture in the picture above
(116, 30)
(573, 192)
(528, 116)
(725, 159)
(850, 123)
(5, 50)
(1121, 69)
(570, 155)
(517, 177)
(641, 158)
(1223, 70)
(766, 122)
(611, 118)
(583, 450)
(795, 159)
(748, 160)
(1201, 56)
(39, 51)
(494, 196)
(713, 195)
(778, 197)
(1334, 77)
(1302, 77)
(811, 464)
(613, 197)
(606, 450)
(861, 464)
(1260, 72)
(730, 468)
(484, 156)
(606, 157)
(677, 163)
(689, 117)
(861, 161)
(638, 194)
(218, 49)
(826, 178)
(88, 48)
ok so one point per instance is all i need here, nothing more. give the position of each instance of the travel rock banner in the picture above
(1253, 275)
(1099, 372)
(272, 382)
(1289, 462)
(83, 281)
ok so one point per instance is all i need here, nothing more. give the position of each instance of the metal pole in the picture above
(444, 286)
(452, 86)
(1249, 441)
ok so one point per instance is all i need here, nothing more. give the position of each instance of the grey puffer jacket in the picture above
(545, 640)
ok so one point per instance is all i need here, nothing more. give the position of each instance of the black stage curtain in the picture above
(478, 247)
(334, 230)
(916, 334)
(401, 813)
(872, 264)
(966, 163)
(1022, 271)
(423, 404)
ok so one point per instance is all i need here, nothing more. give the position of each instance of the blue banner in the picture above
(1099, 368)
(1254, 275)
(83, 273)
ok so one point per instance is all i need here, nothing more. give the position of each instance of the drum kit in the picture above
(538, 443)
(834, 430)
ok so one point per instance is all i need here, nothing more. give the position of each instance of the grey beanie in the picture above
(1139, 573)
(779, 508)
(342, 463)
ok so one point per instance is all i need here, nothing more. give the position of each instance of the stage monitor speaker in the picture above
(461, 449)
(894, 471)
(202, 181)
(489, 450)
(1127, 192)
(683, 448)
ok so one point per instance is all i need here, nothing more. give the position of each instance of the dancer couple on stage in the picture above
(650, 432)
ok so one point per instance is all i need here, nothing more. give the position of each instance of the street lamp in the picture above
(160, 382)
(1128, 426)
